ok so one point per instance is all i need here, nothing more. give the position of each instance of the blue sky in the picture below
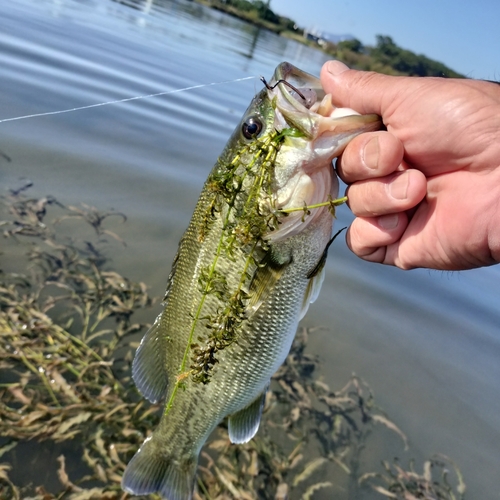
(464, 35)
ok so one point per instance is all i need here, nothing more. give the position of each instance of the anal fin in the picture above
(149, 365)
(244, 424)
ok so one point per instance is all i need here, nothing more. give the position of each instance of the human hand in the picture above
(426, 192)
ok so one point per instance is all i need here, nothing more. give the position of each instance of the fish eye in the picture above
(251, 127)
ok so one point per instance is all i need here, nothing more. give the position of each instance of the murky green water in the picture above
(428, 343)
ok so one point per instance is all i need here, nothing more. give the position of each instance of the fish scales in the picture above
(246, 270)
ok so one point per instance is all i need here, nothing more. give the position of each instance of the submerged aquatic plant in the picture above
(58, 378)
(440, 479)
(66, 326)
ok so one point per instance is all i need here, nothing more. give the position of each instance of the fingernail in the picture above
(388, 221)
(398, 188)
(371, 153)
(336, 67)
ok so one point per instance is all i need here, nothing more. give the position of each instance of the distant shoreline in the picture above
(244, 16)
(385, 57)
(261, 23)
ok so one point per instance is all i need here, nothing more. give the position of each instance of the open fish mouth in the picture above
(301, 102)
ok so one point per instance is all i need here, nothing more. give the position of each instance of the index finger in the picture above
(370, 155)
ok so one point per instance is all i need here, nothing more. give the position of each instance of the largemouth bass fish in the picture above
(247, 268)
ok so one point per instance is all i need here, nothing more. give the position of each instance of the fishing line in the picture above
(127, 99)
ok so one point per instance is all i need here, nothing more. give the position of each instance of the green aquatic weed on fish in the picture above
(245, 224)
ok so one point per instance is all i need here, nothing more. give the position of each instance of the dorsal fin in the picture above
(172, 271)
(149, 365)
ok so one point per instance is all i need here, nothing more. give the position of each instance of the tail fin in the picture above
(151, 471)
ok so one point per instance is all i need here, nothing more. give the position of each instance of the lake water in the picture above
(428, 343)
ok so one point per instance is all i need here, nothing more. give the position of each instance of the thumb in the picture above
(364, 91)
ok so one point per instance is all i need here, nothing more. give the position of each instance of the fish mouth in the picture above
(301, 103)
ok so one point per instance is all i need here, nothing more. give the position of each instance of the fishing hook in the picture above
(288, 84)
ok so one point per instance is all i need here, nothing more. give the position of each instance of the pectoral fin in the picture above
(316, 278)
(312, 290)
(322, 261)
(244, 424)
(265, 278)
(149, 365)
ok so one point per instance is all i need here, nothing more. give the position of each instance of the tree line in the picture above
(387, 57)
